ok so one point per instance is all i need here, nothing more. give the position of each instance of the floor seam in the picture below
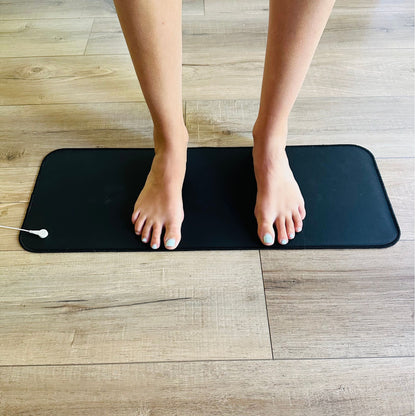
(265, 302)
(236, 360)
(89, 37)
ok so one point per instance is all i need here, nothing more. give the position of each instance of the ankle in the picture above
(269, 138)
(174, 139)
(266, 130)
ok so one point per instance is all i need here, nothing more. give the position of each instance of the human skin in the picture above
(153, 33)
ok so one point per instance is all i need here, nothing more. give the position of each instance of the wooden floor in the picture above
(286, 332)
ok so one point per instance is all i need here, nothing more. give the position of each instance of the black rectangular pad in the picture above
(85, 198)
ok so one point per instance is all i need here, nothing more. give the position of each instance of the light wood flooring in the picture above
(303, 332)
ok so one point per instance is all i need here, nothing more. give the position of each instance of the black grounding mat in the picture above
(85, 198)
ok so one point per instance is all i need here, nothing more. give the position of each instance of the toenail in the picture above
(154, 246)
(291, 235)
(299, 229)
(284, 241)
(268, 239)
(144, 240)
(170, 242)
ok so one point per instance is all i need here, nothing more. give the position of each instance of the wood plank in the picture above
(374, 387)
(193, 7)
(42, 129)
(353, 6)
(80, 119)
(130, 307)
(17, 184)
(28, 149)
(383, 125)
(44, 37)
(11, 215)
(340, 303)
(367, 29)
(18, 9)
(38, 80)
(218, 32)
(109, 78)
(399, 179)
(219, 35)
(333, 73)
(376, 5)
(236, 6)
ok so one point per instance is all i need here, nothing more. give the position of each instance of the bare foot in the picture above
(159, 204)
(279, 199)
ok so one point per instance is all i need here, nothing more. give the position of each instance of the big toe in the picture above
(172, 236)
(266, 233)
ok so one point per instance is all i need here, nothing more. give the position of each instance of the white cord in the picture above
(41, 233)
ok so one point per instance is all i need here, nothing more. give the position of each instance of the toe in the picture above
(297, 220)
(290, 227)
(266, 233)
(281, 229)
(146, 231)
(157, 230)
(138, 226)
(172, 236)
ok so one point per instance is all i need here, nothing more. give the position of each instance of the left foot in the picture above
(279, 199)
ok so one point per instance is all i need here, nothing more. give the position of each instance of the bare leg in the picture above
(295, 27)
(153, 32)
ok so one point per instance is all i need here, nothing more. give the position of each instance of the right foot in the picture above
(159, 204)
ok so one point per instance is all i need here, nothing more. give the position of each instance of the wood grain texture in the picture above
(368, 28)
(11, 215)
(109, 78)
(37, 80)
(214, 35)
(17, 184)
(353, 6)
(340, 303)
(371, 387)
(24, 9)
(360, 6)
(44, 37)
(129, 307)
(43, 128)
(401, 192)
(355, 120)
